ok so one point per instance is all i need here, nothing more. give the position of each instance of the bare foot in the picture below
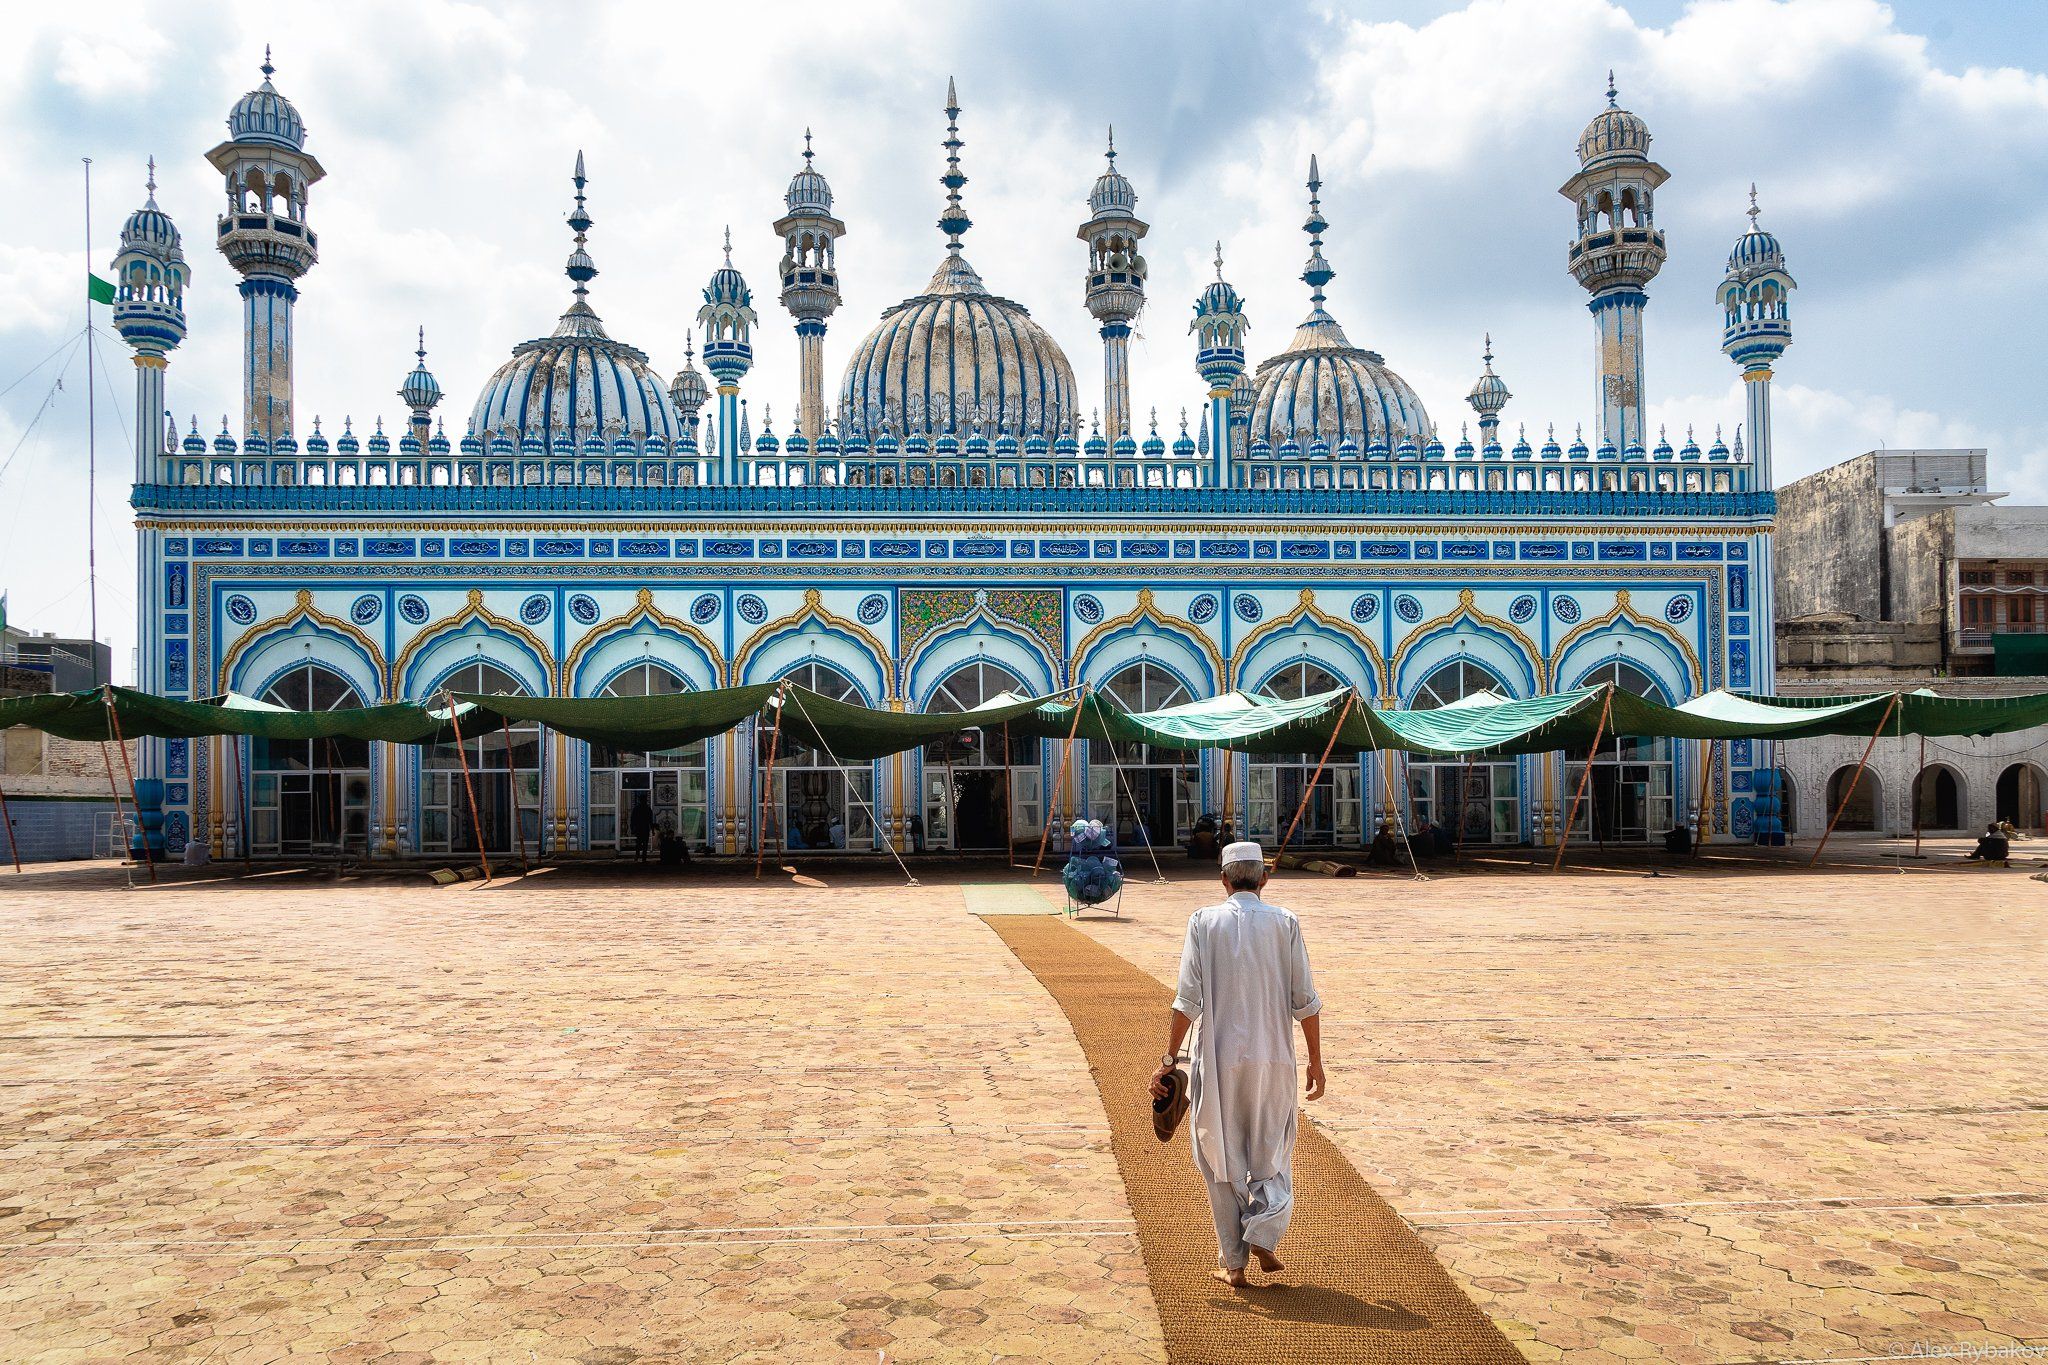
(1234, 1278)
(1268, 1262)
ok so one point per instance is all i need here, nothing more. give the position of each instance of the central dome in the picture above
(957, 355)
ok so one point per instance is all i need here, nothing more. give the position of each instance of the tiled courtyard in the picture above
(1735, 1115)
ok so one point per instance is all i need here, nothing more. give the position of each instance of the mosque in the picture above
(945, 527)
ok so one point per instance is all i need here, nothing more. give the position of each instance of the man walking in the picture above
(1244, 974)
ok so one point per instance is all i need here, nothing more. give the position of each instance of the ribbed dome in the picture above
(1756, 250)
(958, 354)
(1615, 134)
(263, 115)
(575, 382)
(149, 228)
(1490, 392)
(1322, 384)
(420, 389)
(808, 192)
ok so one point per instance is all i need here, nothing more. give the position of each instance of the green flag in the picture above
(97, 290)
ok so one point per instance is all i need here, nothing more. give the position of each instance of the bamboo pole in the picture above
(1706, 794)
(1223, 829)
(1918, 777)
(476, 824)
(114, 720)
(1059, 784)
(511, 788)
(1585, 776)
(1310, 790)
(1854, 779)
(7, 820)
(761, 797)
(1400, 821)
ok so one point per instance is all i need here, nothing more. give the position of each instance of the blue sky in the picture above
(1901, 153)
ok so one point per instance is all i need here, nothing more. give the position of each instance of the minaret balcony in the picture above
(267, 242)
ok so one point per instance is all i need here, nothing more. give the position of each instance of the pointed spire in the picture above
(1112, 146)
(581, 268)
(728, 243)
(955, 220)
(1317, 272)
(1219, 258)
(1611, 93)
(151, 182)
(267, 68)
(421, 352)
(1489, 353)
(807, 149)
(1752, 205)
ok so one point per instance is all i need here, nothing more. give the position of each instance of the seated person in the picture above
(1992, 846)
(1383, 851)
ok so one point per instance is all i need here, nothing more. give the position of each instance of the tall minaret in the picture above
(1116, 283)
(149, 313)
(1489, 395)
(1617, 252)
(265, 238)
(810, 282)
(1756, 301)
(1219, 329)
(727, 318)
(420, 392)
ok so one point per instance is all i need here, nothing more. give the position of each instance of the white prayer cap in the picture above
(1245, 852)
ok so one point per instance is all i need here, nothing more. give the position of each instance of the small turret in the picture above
(149, 313)
(420, 392)
(1115, 283)
(1219, 328)
(1756, 305)
(1489, 395)
(727, 318)
(810, 280)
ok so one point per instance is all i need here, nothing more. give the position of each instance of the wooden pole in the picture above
(1918, 777)
(1585, 775)
(1229, 775)
(1854, 779)
(767, 785)
(1400, 821)
(1316, 776)
(476, 824)
(114, 721)
(1060, 783)
(511, 787)
(1706, 795)
(8, 821)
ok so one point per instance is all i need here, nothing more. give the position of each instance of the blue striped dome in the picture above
(265, 116)
(1755, 251)
(575, 382)
(1322, 384)
(957, 354)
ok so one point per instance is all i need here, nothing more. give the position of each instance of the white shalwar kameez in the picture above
(1245, 980)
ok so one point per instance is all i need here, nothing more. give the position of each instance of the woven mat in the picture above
(1359, 1285)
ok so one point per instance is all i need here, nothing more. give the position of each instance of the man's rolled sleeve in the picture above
(1187, 995)
(1301, 982)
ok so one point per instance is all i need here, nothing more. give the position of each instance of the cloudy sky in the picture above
(1901, 153)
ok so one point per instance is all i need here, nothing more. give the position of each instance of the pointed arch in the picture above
(477, 622)
(242, 663)
(1309, 631)
(1499, 645)
(788, 641)
(1604, 638)
(1147, 620)
(980, 635)
(669, 638)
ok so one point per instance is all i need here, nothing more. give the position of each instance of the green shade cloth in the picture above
(653, 723)
(851, 732)
(84, 716)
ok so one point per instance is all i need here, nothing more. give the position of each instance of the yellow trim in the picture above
(474, 610)
(1143, 611)
(814, 609)
(304, 610)
(1280, 625)
(1621, 609)
(643, 609)
(1468, 610)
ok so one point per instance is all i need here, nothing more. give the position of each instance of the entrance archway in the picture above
(2020, 798)
(1164, 793)
(820, 805)
(1335, 809)
(1860, 815)
(1937, 799)
(976, 797)
(669, 782)
(1480, 802)
(1629, 799)
(309, 795)
(504, 772)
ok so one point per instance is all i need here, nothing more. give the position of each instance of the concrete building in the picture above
(1905, 569)
(58, 803)
(62, 664)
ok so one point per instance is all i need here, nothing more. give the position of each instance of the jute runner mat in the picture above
(1359, 1285)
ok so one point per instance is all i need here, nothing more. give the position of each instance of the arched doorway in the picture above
(1164, 785)
(1860, 815)
(1629, 799)
(1479, 800)
(2020, 798)
(670, 782)
(976, 797)
(1335, 810)
(1937, 799)
(504, 771)
(817, 804)
(309, 795)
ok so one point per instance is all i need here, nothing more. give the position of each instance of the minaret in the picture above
(727, 318)
(1219, 329)
(1617, 252)
(1755, 301)
(1489, 395)
(265, 238)
(1116, 283)
(420, 392)
(149, 313)
(810, 281)
(689, 392)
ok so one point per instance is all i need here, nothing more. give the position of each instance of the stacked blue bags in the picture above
(1092, 876)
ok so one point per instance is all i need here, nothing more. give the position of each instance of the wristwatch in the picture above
(1167, 1062)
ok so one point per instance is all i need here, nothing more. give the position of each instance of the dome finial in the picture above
(1112, 146)
(1612, 94)
(580, 268)
(728, 243)
(151, 182)
(422, 351)
(267, 68)
(1317, 272)
(955, 220)
(1219, 258)
(807, 149)
(1488, 357)
(1752, 204)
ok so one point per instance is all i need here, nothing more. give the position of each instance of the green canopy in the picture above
(651, 723)
(85, 716)
(852, 732)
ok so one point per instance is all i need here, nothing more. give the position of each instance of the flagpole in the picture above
(92, 559)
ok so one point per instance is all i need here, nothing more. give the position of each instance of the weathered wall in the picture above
(1826, 647)
(1992, 531)
(1829, 543)
(1921, 552)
